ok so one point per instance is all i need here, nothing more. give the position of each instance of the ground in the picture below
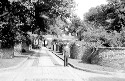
(11, 62)
(5, 63)
(43, 65)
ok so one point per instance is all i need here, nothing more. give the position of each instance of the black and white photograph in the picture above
(62, 40)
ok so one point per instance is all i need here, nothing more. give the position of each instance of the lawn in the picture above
(5, 63)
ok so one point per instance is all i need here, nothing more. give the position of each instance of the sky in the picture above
(12, 0)
(85, 5)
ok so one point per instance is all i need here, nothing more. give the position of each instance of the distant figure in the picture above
(66, 53)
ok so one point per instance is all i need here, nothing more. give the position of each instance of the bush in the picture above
(79, 51)
(76, 50)
(82, 51)
(60, 48)
(23, 50)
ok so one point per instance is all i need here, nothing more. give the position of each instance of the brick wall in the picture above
(111, 57)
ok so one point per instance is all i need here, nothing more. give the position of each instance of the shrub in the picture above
(76, 50)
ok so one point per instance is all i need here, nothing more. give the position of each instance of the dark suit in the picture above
(66, 55)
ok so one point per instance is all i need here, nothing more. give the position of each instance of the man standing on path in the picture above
(66, 53)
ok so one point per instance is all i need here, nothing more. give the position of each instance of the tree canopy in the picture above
(18, 18)
(49, 10)
(105, 24)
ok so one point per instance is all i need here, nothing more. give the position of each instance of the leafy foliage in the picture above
(50, 10)
(18, 18)
(15, 23)
(76, 23)
(105, 24)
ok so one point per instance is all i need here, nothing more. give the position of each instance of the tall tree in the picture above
(51, 9)
(24, 16)
(15, 23)
(110, 18)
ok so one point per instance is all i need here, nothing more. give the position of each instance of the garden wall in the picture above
(6, 53)
(104, 56)
(111, 57)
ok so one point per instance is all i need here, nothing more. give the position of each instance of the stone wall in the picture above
(105, 56)
(111, 57)
(7, 53)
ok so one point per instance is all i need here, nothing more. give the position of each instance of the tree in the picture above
(23, 16)
(76, 24)
(15, 24)
(57, 26)
(49, 10)
(110, 18)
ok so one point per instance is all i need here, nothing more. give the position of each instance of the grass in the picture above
(5, 63)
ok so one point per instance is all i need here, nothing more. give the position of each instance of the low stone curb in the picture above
(84, 69)
(14, 67)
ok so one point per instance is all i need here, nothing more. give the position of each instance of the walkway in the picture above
(42, 66)
(45, 66)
